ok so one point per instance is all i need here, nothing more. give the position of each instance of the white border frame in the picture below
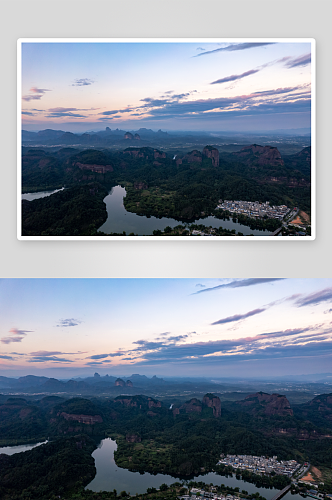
(312, 41)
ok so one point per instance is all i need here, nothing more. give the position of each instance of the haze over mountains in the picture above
(299, 391)
(290, 141)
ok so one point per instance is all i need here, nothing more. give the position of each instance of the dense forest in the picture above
(156, 183)
(182, 441)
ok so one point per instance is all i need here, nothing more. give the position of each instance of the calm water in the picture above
(11, 450)
(109, 477)
(39, 194)
(120, 220)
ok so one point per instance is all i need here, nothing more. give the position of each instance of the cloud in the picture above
(98, 363)
(59, 114)
(35, 90)
(2, 356)
(288, 61)
(315, 298)
(46, 353)
(240, 284)
(199, 285)
(328, 311)
(44, 356)
(298, 61)
(236, 77)
(16, 331)
(238, 317)
(235, 47)
(266, 102)
(28, 113)
(107, 113)
(98, 356)
(64, 323)
(35, 94)
(61, 110)
(107, 355)
(308, 341)
(82, 82)
(9, 340)
(16, 335)
(273, 101)
(43, 359)
(147, 345)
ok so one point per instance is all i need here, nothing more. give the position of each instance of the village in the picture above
(301, 479)
(260, 465)
(254, 209)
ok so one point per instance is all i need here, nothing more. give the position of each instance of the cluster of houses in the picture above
(260, 465)
(254, 209)
(198, 493)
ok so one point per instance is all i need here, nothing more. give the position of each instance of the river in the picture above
(11, 450)
(119, 220)
(109, 477)
(39, 194)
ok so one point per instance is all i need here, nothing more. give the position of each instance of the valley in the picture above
(184, 433)
(163, 178)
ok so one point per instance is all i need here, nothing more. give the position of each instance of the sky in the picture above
(200, 86)
(246, 327)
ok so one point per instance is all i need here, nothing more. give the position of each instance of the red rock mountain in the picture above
(194, 156)
(141, 402)
(120, 382)
(213, 153)
(101, 169)
(213, 402)
(196, 406)
(83, 419)
(261, 403)
(261, 156)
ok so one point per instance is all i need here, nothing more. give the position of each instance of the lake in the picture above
(109, 477)
(119, 220)
(11, 450)
(39, 194)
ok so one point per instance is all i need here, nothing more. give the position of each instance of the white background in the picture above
(160, 18)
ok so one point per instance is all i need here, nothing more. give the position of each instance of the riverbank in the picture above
(120, 220)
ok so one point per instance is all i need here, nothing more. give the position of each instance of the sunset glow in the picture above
(176, 85)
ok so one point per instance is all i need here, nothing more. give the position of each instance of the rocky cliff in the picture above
(213, 402)
(196, 406)
(194, 156)
(120, 382)
(101, 169)
(255, 155)
(83, 419)
(213, 153)
(158, 154)
(141, 402)
(318, 410)
(267, 404)
(145, 152)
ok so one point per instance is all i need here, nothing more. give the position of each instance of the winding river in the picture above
(109, 477)
(119, 220)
